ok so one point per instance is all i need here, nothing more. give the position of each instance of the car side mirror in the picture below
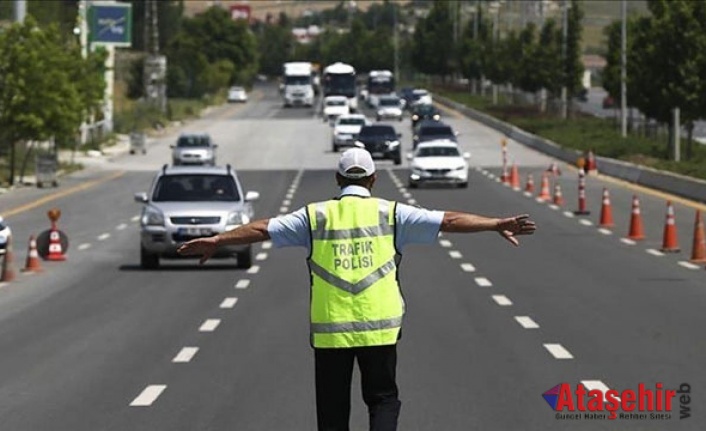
(172, 146)
(141, 197)
(466, 156)
(251, 196)
(399, 135)
(457, 134)
(215, 145)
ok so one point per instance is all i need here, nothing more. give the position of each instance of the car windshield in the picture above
(425, 110)
(196, 188)
(351, 121)
(335, 102)
(193, 141)
(418, 94)
(236, 89)
(386, 132)
(436, 131)
(389, 102)
(437, 152)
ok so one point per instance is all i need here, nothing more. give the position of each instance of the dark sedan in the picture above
(382, 141)
(430, 130)
(424, 112)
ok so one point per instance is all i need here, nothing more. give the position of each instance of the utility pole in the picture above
(20, 10)
(623, 70)
(396, 42)
(155, 64)
(496, 36)
(476, 19)
(565, 77)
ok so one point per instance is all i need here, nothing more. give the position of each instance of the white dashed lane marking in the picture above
(468, 267)
(411, 201)
(135, 218)
(585, 222)
(148, 396)
(242, 284)
(103, 237)
(569, 214)
(209, 325)
(445, 243)
(84, 246)
(286, 202)
(121, 226)
(526, 322)
(627, 241)
(605, 231)
(229, 302)
(253, 269)
(558, 351)
(185, 355)
(283, 209)
(261, 256)
(483, 282)
(654, 252)
(502, 300)
(455, 254)
(688, 265)
(267, 245)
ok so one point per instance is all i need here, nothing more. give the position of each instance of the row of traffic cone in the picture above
(670, 242)
(32, 263)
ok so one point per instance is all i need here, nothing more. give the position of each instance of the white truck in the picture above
(297, 89)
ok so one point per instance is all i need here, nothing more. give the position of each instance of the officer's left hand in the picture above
(205, 247)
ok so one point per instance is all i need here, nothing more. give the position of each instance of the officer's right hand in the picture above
(205, 247)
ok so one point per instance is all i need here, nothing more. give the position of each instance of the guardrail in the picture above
(691, 188)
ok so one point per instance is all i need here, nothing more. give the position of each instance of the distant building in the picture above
(306, 35)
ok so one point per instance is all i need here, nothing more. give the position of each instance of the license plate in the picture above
(195, 231)
(378, 154)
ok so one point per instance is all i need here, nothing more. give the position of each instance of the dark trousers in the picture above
(334, 370)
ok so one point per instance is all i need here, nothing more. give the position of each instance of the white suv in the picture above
(191, 202)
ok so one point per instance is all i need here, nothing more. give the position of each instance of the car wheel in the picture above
(334, 148)
(377, 118)
(463, 185)
(413, 185)
(148, 260)
(244, 258)
(398, 160)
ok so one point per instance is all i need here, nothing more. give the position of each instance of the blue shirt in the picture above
(413, 225)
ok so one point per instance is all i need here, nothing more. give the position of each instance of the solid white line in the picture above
(103, 236)
(654, 252)
(209, 325)
(135, 218)
(121, 226)
(558, 351)
(148, 396)
(468, 267)
(483, 282)
(242, 284)
(267, 245)
(229, 302)
(526, 322)
(569, 214)
(605, 231)
(445, 243)
(455, 254)
(261, 256)
(253, 269)
(627, 241)
(502, 300)
(585, 222)
(185, 355)
(84, 246)
(688, 265)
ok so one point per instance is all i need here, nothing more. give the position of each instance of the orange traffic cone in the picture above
(591, 162)
(558, 198)
(670, 243)
(514, 177)
(554, 169)
(56, 251)
(544, 191)
(8, 267)
(636, 231)
(582, 195)
(529, 187)
(32, 264)
(504, 177)
(606, 211)
(698, 251)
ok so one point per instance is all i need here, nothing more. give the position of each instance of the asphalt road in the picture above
(96, 343)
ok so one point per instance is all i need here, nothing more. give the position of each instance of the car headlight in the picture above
(415, 117)
(460, 168)
(436, 117)
(152, 217)
(359, 144)
(237, 217)
(393, 144)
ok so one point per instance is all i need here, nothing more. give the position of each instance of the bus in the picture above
(339, 80)
(380, 82)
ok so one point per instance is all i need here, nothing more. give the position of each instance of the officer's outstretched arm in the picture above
(246, 234)
(508, 228)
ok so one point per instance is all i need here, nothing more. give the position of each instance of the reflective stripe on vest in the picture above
(355, 300)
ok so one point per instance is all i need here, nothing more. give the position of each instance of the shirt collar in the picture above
(355, 190)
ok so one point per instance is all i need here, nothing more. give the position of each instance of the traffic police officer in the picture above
(354, 244)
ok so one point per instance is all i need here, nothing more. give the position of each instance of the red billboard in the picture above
(240, 11)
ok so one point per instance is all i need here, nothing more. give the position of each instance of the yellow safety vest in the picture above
(355, 297)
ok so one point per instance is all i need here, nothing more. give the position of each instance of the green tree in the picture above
(277, 41)
(170, 14)
(433, 42)
(549, 58)
(527, 74)
(572, 65)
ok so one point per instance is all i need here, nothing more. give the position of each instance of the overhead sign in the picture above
(240, 11)
(110, 23)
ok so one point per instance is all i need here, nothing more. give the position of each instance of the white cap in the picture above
(356, 163)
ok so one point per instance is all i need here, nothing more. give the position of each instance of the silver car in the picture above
(194, 149)
(192, 202)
